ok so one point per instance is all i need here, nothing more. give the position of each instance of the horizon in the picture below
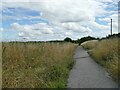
(55, 20)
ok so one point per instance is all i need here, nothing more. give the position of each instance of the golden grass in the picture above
(90, 44)
(106, 53)
(36, 65)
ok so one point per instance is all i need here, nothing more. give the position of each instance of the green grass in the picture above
(36, 65)
(106, 53)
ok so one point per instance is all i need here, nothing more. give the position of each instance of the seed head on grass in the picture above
(38, 65)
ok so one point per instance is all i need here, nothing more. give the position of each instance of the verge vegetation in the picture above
(36, 65)
(106, 53)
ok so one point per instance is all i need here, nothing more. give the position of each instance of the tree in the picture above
(67, 39)
(85, 39)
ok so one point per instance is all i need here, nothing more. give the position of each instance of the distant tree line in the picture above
(83, 39)
(112, 36)
(86, 39)
(67, 39)
(79, 40)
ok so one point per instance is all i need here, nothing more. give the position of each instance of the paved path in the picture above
(86, 73)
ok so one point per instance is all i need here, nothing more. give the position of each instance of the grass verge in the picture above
(36, 65)
(106, 53)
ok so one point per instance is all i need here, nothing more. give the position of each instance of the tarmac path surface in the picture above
(86, 73)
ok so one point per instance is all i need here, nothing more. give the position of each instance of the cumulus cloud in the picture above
(104, 19)
(95, 25)
(75, 14)
(32, 30)
(114, 18)
(64, 17)
(76, 27)
(73, 11)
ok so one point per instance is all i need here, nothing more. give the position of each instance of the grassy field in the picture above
(106, 53)
(36, 65)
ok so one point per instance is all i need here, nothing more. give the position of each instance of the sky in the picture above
(44, 20)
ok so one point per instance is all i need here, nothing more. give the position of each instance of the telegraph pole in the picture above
(111, 27)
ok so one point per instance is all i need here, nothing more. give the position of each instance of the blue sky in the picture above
(55, 20)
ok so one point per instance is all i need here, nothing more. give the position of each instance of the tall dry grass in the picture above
(90, 44)
(106, 53)
(36, 65)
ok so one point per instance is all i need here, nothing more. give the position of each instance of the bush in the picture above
(85, 39)
(68, 39)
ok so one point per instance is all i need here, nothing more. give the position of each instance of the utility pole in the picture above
(111, 27)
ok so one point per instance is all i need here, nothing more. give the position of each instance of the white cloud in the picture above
(74, 11)
(115, 22)
(108, 0)
(46, 0)
(32, 30)
(64, 15)
(104, 19)
(76, 27)
(15, 0)
(58, 10)
(114, 18)
(95, 25)
(1, 29)
(7, 17)
(68, 33)
(105, 0)
(21, 34)
(48, 31)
